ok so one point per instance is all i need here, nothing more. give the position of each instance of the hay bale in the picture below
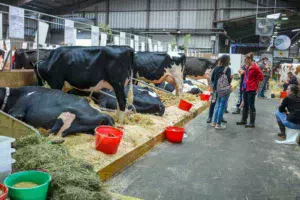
(72, 179)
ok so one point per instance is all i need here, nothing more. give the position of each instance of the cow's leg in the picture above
(121, 100)
(67, 119)
(18, 112)
(57, 126)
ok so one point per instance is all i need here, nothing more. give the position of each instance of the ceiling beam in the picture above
(18, 2)
(76, 7)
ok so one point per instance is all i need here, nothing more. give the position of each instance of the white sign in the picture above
(282, 42)
(122, 38)
(69, 32)
(1, 28)
(1, 44)
(282, 54)
(155, 48)
(159, 47)
(143, 46)
(34, 45)
(7, 44)
(136, 43)
(169, 47)
(103, 39)
(95, 36)
(116, 40)
(43, 30)
(24, 45)
(16, 22)
(132, 43)
(150, 45)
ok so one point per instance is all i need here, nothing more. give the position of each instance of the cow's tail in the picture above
(40, 80)
(130, 92)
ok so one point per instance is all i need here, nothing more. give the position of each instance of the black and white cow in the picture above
(157, 67)
(27, 58)
(188, 87)
(90, 69)
(52, 109)
(145, 100)
(198, 67)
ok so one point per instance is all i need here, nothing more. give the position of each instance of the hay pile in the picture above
(275, 88)
(72, 179)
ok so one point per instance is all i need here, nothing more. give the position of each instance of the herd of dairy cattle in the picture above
(91, 71)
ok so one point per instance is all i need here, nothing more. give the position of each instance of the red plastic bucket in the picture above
(174, 134)
(184, 105)
(204, 97)
(4, 189)
(108, 139)
(283, 94)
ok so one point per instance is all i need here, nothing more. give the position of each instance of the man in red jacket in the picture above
(253, 75)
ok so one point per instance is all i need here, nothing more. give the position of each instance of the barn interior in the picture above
(115, 99)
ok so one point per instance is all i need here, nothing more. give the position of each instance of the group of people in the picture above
(253, 83)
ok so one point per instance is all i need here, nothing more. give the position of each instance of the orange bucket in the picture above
(283, 94)
(204, 97)
(184, 105)
(108, 139)
(174, 134)
(4, 190)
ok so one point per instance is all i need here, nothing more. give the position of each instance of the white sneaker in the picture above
(213, 124)
(220, 127)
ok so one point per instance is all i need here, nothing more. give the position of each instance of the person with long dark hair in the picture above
(221, 77)
(288, 114)
(253, 75)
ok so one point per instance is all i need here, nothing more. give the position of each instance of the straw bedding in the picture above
(72, 179)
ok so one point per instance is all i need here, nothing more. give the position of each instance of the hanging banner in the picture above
(43, 30)
(24, 45)
(132, 43)
(1, 27)
(7, 45)
(122, 38)
(95, 36)
(150, 45)
(143, 46)
(103, 39)
(136, 43)
(69, 32)
(116, 40)
(16, 22)
(155, 48)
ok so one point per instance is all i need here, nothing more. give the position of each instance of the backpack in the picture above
(223, 86)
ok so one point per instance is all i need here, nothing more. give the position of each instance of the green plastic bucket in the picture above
(36, 193)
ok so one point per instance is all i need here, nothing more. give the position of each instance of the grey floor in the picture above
(234, 164)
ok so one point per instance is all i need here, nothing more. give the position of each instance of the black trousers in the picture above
(249, 104)
(211, 109)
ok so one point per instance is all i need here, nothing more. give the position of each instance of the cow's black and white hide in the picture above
(52, 109)
(145, 100)
(90, 69)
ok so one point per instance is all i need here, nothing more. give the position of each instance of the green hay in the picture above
(72, 179)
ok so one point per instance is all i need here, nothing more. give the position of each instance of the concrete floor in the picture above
(235, 164)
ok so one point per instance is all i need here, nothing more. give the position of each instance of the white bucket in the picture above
(5, 143)
(5, 169)
(5, 156)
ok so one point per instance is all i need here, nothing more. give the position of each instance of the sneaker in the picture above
(184, 136)
(213, 124)
(249, 125)
(241, 123)
(208, 120)
(220, 127)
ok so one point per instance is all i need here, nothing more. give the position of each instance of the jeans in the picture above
(219, 109)
(263, 87)
(249, 103)
(282, 117)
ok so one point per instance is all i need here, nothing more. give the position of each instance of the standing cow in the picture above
(157, 67)
(90, 69)
(27, 58)
(52, 109)
(199, 68)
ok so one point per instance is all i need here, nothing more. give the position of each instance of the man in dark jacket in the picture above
(291, 80)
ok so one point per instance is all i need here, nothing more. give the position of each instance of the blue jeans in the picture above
(282, 117)
(263, 87)
(219, 109)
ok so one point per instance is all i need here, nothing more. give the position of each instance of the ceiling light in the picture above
(274, 36)
(274, 16)
(298, 29)
(283, 14)
(275, 33)
(277, 27)
(284, 18)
